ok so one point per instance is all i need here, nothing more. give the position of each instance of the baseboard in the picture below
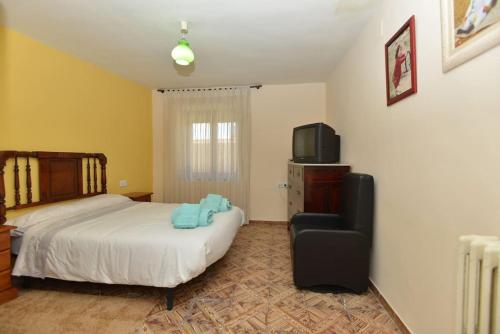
(268, 221)
(402, 326)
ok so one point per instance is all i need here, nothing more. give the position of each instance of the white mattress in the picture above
(136, 245)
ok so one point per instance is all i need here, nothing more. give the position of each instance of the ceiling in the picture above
(235, 41)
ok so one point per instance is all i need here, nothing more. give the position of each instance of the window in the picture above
(213, 153)
(201, 132)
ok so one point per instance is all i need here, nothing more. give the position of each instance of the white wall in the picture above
(434, 156)
(276, 110)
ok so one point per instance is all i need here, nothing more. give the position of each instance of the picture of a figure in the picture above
(472, 17)
(400, 62)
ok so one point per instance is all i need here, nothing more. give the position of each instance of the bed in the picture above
(101, 237)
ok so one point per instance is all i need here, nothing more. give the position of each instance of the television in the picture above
(315, 143)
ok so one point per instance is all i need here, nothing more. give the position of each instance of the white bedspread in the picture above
(135, 245)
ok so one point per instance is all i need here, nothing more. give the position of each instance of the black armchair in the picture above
(331, 249)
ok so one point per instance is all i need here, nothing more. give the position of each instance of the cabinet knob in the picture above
(290, 203)
(298, 192)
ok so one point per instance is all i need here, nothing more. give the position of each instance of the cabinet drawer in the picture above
(299, 205)
(4, 241)
(292, 210)
(290, 213)
(294, 207)
(324, 174)
(299, 191)
(298, 173)
(295, 194)
(296, 184)
(4, 260)
(5, 280)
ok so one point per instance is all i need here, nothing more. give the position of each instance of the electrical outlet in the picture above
(123, 183)
(283, 185)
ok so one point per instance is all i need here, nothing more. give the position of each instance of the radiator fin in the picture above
(478, 285)
(494, 305)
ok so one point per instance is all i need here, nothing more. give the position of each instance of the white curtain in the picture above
(207, 134)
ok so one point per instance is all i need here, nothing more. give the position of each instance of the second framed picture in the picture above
(401, 63)
(469, 28)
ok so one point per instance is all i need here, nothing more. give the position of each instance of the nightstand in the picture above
(139, 196)
(7, 291)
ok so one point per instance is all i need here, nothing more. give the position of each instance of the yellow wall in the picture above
(52, 101)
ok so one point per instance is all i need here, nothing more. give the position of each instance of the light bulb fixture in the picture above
(182, 53)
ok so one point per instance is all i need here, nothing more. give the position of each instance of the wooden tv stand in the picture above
(314, 187)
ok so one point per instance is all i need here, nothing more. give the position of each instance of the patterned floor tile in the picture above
(251, 291)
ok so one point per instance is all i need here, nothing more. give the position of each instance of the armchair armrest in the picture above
(329, 221)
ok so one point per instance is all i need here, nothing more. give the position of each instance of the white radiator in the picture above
(478, 309)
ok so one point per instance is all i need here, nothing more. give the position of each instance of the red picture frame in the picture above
(401, 63)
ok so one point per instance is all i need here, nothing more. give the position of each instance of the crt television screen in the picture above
(305, 142)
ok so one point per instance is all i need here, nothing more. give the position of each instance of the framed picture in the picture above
(401, 64)
(469, 28)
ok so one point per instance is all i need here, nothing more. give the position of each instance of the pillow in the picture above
(66, 210)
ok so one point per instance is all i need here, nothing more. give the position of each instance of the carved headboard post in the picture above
(17, 193)
(103, 161)
(3, 209)
(29, 195)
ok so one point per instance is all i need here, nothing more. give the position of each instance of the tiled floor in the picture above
(251, 291)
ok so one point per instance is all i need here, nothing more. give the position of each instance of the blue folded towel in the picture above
(191, 216)
(185, 222)
(206, 217)
(217, 203)
(214, 197)
(225, 205)
(186, 216)
(211, 205)
(186, 208)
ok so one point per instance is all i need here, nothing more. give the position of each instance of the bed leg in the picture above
(26, 283)
(170, 299)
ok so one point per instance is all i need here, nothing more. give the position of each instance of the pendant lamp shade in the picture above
(182, 53)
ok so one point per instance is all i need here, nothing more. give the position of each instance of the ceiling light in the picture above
(182, 53)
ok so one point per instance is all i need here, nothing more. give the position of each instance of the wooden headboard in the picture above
(60, 177)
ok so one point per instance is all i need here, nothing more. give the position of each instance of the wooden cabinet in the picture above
(139, 196)
(314, 187)
(7, 292)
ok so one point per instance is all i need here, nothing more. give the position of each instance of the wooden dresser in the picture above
(314, 187)
(7, 292)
